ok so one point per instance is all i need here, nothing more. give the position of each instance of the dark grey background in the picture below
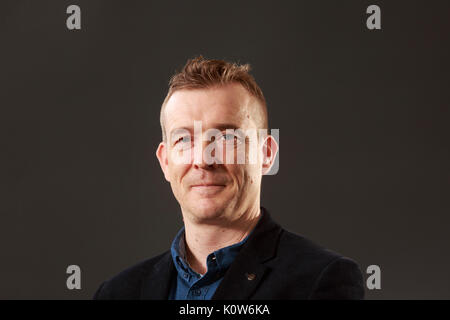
(363, 118)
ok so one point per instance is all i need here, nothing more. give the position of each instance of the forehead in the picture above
(213, 106)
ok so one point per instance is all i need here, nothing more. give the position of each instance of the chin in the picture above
(207, 209)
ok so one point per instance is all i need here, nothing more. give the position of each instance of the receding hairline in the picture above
(261, 120)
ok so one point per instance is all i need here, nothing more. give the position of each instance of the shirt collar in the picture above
(223, 257)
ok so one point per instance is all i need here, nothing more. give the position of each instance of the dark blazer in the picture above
(272, 264)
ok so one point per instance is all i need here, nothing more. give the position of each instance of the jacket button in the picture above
(250, 276)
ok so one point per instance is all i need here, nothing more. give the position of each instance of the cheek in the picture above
(177, 172)
(252, 175)
(241, 174)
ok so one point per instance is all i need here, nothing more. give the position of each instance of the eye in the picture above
(229, 138)
(183, 139)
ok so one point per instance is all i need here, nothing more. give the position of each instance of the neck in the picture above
(205, 238)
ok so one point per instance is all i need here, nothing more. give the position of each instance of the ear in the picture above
(270, 150)
(161, 154)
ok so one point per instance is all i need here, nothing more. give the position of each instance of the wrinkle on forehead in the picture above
(225, 104)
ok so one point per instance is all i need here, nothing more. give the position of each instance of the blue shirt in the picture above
(189, 285)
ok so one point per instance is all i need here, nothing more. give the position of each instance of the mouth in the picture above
(208, 185)
(207, 188)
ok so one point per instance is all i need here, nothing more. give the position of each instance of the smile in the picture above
(207, 189)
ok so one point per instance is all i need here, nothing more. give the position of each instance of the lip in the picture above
(207, 190)
(208, 185)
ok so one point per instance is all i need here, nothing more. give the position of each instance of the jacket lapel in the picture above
(156, 285)
(248, 269)
(241, 279)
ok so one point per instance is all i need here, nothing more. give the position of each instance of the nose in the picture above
(205, 158)
(204, 165)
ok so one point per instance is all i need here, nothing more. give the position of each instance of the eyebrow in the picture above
(219, 126)
(224, 126)
(180, 130)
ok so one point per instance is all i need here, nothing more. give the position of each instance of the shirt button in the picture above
(197, 292)
(185, 275)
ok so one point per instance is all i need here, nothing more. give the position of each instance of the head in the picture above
(221, 95)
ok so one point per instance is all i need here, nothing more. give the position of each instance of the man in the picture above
(229, 247)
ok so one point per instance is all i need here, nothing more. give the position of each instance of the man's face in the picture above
(210, 192)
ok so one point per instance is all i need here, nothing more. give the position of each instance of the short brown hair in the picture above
(201, 73)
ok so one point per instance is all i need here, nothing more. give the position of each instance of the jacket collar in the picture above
(156, 284)
(241, 279)
(248, 269)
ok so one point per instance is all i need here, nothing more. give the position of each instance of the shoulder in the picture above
(327, 273)
(296, 246)
(127, 283)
